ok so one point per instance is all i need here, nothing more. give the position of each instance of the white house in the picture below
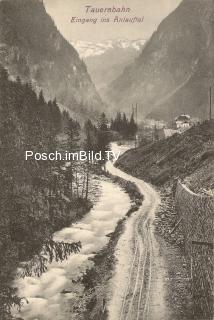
(183, 122)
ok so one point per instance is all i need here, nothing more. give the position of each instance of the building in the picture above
(183, 122)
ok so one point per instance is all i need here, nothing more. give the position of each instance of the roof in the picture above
(183, 117)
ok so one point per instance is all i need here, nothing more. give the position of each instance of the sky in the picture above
(153, 11)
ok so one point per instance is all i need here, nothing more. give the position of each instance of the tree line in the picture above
(126, 127)
(39, 197)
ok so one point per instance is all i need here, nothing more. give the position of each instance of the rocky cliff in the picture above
(32, 47)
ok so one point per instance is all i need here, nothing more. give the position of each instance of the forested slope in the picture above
(37, 197)
(32, 47)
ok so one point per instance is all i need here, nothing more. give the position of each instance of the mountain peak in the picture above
(88, 48)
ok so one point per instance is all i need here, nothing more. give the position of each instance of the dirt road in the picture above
(143, 295)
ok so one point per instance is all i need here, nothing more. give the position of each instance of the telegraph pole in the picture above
(136, 114)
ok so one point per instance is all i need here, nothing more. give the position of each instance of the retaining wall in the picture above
(197, 212)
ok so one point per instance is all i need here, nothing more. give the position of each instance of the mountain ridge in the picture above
(178, 50)
(106, 59)
(32, 47)
(88, 48)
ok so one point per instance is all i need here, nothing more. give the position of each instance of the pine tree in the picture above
(90, 144)
(132, 126)
(123, 126)
(41, 98)
(103, 136)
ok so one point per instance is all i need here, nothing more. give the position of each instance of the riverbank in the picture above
(96, 280)
(59, 292)
(70, 211)
(32, 254)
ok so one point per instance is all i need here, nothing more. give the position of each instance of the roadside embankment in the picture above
(196, 211)
(179, 156)
(96, 279)
(187, 157)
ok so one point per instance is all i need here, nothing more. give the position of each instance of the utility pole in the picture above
(136, 110)
(210, 103)
(135, 116)
(136, 113)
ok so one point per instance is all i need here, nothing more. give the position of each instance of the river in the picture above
(49, 296)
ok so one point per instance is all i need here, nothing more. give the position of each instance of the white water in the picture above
(44, 294)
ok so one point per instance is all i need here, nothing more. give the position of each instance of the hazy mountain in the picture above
(32, 47)
(89, 49)
(173, 72)
(106, 60)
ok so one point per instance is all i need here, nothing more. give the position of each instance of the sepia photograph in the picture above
(106, 159)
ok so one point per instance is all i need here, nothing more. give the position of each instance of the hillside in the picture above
(173, 72)
(32, 47)
(189, 155)
(37, 195)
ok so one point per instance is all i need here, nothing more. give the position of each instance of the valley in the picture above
(106, 60)
(109, 216)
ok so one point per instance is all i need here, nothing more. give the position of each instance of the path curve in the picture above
(144, 294)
